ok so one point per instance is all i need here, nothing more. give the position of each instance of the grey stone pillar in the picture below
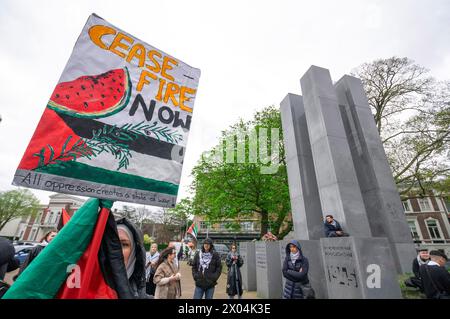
(268, 270)
(359, 268)
(248, 269)
(382, 201)
(303, 191)
(336, 177)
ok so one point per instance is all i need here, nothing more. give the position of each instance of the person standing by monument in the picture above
(206, 270)
(422, 259)
(333, 228)
(295, 270)
(150, 268)
(234, 279)
(435, 278)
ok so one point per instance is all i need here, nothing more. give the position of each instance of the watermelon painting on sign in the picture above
(117, 123)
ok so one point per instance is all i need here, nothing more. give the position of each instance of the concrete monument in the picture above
(336, 165)
(248, 269)
(268, 270)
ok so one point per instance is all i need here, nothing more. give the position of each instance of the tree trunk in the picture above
(286, 231)
(3, 223)
(264, 222)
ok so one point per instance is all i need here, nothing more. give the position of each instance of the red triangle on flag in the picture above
(92, 285)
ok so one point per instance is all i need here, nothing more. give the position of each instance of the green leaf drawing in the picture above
(109, 139)
(153, 130)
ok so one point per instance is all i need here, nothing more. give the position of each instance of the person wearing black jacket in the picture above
(435, 278)
(7, 260)
(206, 270)
(295, 270)
(234, 262)
(422, 259)
(333, 228)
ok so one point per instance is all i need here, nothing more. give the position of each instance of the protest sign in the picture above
(117, 123)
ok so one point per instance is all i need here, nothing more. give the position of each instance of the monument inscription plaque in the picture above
(268, 270)
(340, 269)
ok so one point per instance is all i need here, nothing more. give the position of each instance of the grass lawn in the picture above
(407, 292)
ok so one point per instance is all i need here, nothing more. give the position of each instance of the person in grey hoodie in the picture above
(295, 270)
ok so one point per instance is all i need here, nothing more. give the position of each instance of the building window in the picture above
(33, 234)
(406, 206)
(433, 229)
(247, 226)
(37, 220)
(414, 232)
(424, 204)
(203, 225)
(50, 218)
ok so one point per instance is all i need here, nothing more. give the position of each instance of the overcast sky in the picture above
(251, 53)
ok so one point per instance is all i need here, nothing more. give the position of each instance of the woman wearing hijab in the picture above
(167, 277)
(234, 279)
(134, 257)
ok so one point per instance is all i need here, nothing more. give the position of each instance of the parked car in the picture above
(22, 254)
(222, 250)
(21, 245)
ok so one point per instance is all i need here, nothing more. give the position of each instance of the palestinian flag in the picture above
(193, 230)
(84, 261)
(65, 216)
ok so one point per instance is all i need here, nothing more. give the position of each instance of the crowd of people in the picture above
(151, 274)
(155, 274)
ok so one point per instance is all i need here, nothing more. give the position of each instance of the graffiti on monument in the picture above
(340, 269)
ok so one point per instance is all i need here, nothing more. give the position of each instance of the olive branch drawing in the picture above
(109, 139)
(160, 132)
(106, 140)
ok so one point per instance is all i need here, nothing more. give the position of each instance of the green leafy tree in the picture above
(182, 213)
(16, 204)
(229, 189)
(412, 112)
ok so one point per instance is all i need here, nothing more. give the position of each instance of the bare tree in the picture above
(412, 113)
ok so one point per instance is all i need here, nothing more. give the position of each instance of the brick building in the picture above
(428, 219)
(33, 228)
